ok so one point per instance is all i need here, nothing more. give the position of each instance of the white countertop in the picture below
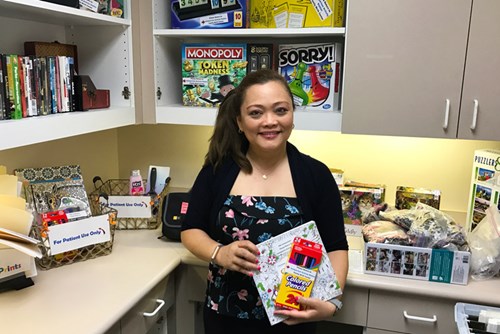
(90, 296)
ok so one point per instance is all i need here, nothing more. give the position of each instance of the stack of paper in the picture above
(17, 249)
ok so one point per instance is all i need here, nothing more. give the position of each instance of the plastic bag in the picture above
(383, 231)
(484, 242)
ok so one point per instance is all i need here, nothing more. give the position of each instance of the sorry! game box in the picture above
(210, 71)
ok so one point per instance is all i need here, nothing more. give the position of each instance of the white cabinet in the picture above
(104, 52)
(404, 66)
(167, 43)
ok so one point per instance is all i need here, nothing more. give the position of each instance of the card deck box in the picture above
(209, 14)
(483, 190)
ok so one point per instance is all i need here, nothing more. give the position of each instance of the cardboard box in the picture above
(296, 13)
(408, 197)
(260, 56)
(14, 262)
(426, 264)
(313, 74)
(205, 14)
(210, 71)
(483, 191)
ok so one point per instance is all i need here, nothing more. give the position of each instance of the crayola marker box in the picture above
(299, 273)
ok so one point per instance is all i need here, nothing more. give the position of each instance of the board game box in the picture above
(210, 71)
(260, 56)
(208, 14)
(313, 74)
(483, 191)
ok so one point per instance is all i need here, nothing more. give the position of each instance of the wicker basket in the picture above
(81, 254)
(120, 187)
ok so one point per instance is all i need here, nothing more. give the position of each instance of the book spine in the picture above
(2, 90)
(53, 90)
(71, 62)
(38, 85)
(18, 112)
(31, 89)
(43, 87)
(58, 84)
(22, 85)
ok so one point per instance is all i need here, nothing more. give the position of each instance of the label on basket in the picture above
(130, 206)
(78, 234)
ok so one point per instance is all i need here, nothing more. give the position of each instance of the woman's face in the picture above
(266, 116)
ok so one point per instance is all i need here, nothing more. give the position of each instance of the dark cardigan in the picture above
(317, 194)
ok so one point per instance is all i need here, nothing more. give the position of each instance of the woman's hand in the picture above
(314, 309)
(239, 256)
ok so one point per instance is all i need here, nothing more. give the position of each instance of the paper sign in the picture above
(130, 206)
(78, 234)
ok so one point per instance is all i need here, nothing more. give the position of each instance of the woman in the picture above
(254, 185)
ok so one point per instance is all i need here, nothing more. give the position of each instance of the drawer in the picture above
(406, 313)
(134, 322)
(354, 310)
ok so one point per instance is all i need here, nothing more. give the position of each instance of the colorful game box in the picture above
(313, 74)
(408, 197)
(299, 273)
(483, 192)
(296, 13)
(208, 14)
(210, 71)
(260, 56)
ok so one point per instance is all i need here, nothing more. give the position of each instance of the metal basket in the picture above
(120, 187)
(48, 261)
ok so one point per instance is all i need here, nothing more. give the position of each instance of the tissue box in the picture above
(484, 191)
(426, 264)
(214, 14)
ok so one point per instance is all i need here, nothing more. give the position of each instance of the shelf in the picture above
(27, 131)
(39, 11)
(304, 120)
(267, 33)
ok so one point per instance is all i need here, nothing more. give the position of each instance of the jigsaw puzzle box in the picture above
(484, 192)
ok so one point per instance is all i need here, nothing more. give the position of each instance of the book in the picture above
(210, 71)
(273, 257)
(313, 74)
(16, 86)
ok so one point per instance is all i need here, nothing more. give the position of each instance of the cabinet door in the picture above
(482, 73)
(404, 65)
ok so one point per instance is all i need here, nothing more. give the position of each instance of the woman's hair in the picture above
(226, 140)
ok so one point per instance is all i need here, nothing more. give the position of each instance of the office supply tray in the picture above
(120, 187)
(464, 311)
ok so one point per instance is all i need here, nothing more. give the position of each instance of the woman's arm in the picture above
(237, 256)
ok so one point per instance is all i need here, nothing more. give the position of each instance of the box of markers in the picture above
(299, 273)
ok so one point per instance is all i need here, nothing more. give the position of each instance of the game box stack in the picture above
(209, 14)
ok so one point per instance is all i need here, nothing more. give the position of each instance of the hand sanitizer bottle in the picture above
(136, 183)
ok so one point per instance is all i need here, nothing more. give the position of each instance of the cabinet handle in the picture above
(412, 317)
(161, 302)
(446, 114)
(474, 115)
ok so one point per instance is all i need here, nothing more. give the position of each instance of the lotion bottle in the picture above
(136, 183)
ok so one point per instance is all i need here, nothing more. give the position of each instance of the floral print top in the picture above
(253, 218)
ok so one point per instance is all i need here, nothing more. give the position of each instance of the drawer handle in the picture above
(161, 302)
(412, 317)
